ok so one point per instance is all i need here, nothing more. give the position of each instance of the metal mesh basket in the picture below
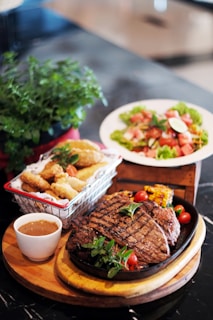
(83, 202)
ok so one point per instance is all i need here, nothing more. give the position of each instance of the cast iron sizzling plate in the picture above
(186, 234)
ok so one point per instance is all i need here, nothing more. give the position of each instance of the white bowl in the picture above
(37, 248)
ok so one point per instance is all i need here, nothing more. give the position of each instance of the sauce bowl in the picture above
(38, 247)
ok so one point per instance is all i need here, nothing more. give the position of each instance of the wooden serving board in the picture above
(75, 287)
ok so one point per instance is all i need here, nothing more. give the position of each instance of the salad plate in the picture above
(113, 122)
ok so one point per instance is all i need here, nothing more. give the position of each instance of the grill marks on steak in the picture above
(142, 233)
(149, 233)
(166, 218)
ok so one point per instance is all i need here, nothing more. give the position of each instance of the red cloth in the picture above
(70, 134)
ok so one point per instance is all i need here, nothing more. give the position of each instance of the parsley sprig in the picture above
(159, 123)
(106, 256)
(63, 156)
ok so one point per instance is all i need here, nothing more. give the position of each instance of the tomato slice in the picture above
(71, 170)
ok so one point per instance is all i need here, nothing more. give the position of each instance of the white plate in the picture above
(112, 122)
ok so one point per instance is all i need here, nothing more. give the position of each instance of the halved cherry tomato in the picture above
(184, 217)
(141, 196)
(132, 260)
(71, 170)
(179, 209)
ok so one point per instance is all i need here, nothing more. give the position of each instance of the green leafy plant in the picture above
(35, 95)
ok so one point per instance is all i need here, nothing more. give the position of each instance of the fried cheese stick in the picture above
(34, 180)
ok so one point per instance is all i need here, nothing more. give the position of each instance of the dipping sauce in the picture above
(38, 228)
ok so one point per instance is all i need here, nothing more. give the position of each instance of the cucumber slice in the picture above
(178, 125)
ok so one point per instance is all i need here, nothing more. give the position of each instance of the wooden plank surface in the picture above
(183, 180)
(45, 278)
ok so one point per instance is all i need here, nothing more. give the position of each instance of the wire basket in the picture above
(83, 202)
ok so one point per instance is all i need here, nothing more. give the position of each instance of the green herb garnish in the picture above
(130, 209)
(63, 155)
(161, 124)
(106, 255)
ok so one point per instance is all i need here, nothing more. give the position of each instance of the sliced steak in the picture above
(167, 219)
(140, 233)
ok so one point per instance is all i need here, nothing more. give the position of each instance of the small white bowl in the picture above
(37, 248)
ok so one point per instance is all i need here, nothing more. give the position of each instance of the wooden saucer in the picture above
(59, 280)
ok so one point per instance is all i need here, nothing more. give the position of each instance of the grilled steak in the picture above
(166, 218)
(145, 233)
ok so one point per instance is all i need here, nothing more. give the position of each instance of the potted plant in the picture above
(36, 97)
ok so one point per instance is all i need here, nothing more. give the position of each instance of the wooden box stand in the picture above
(183, 180)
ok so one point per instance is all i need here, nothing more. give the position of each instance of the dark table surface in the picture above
(124, 77)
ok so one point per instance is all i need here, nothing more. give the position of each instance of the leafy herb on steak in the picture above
(130, 209)
(107, 255)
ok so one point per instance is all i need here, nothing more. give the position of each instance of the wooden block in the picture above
(183, 180)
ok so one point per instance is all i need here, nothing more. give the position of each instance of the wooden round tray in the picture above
(48, 278)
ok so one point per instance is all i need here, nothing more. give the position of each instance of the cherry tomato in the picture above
(141, 196)
(71, 170)
(131, 268)
(132, 260)
(179, 209)
(184, 217)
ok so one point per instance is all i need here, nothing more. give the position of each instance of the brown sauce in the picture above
(38, 228)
